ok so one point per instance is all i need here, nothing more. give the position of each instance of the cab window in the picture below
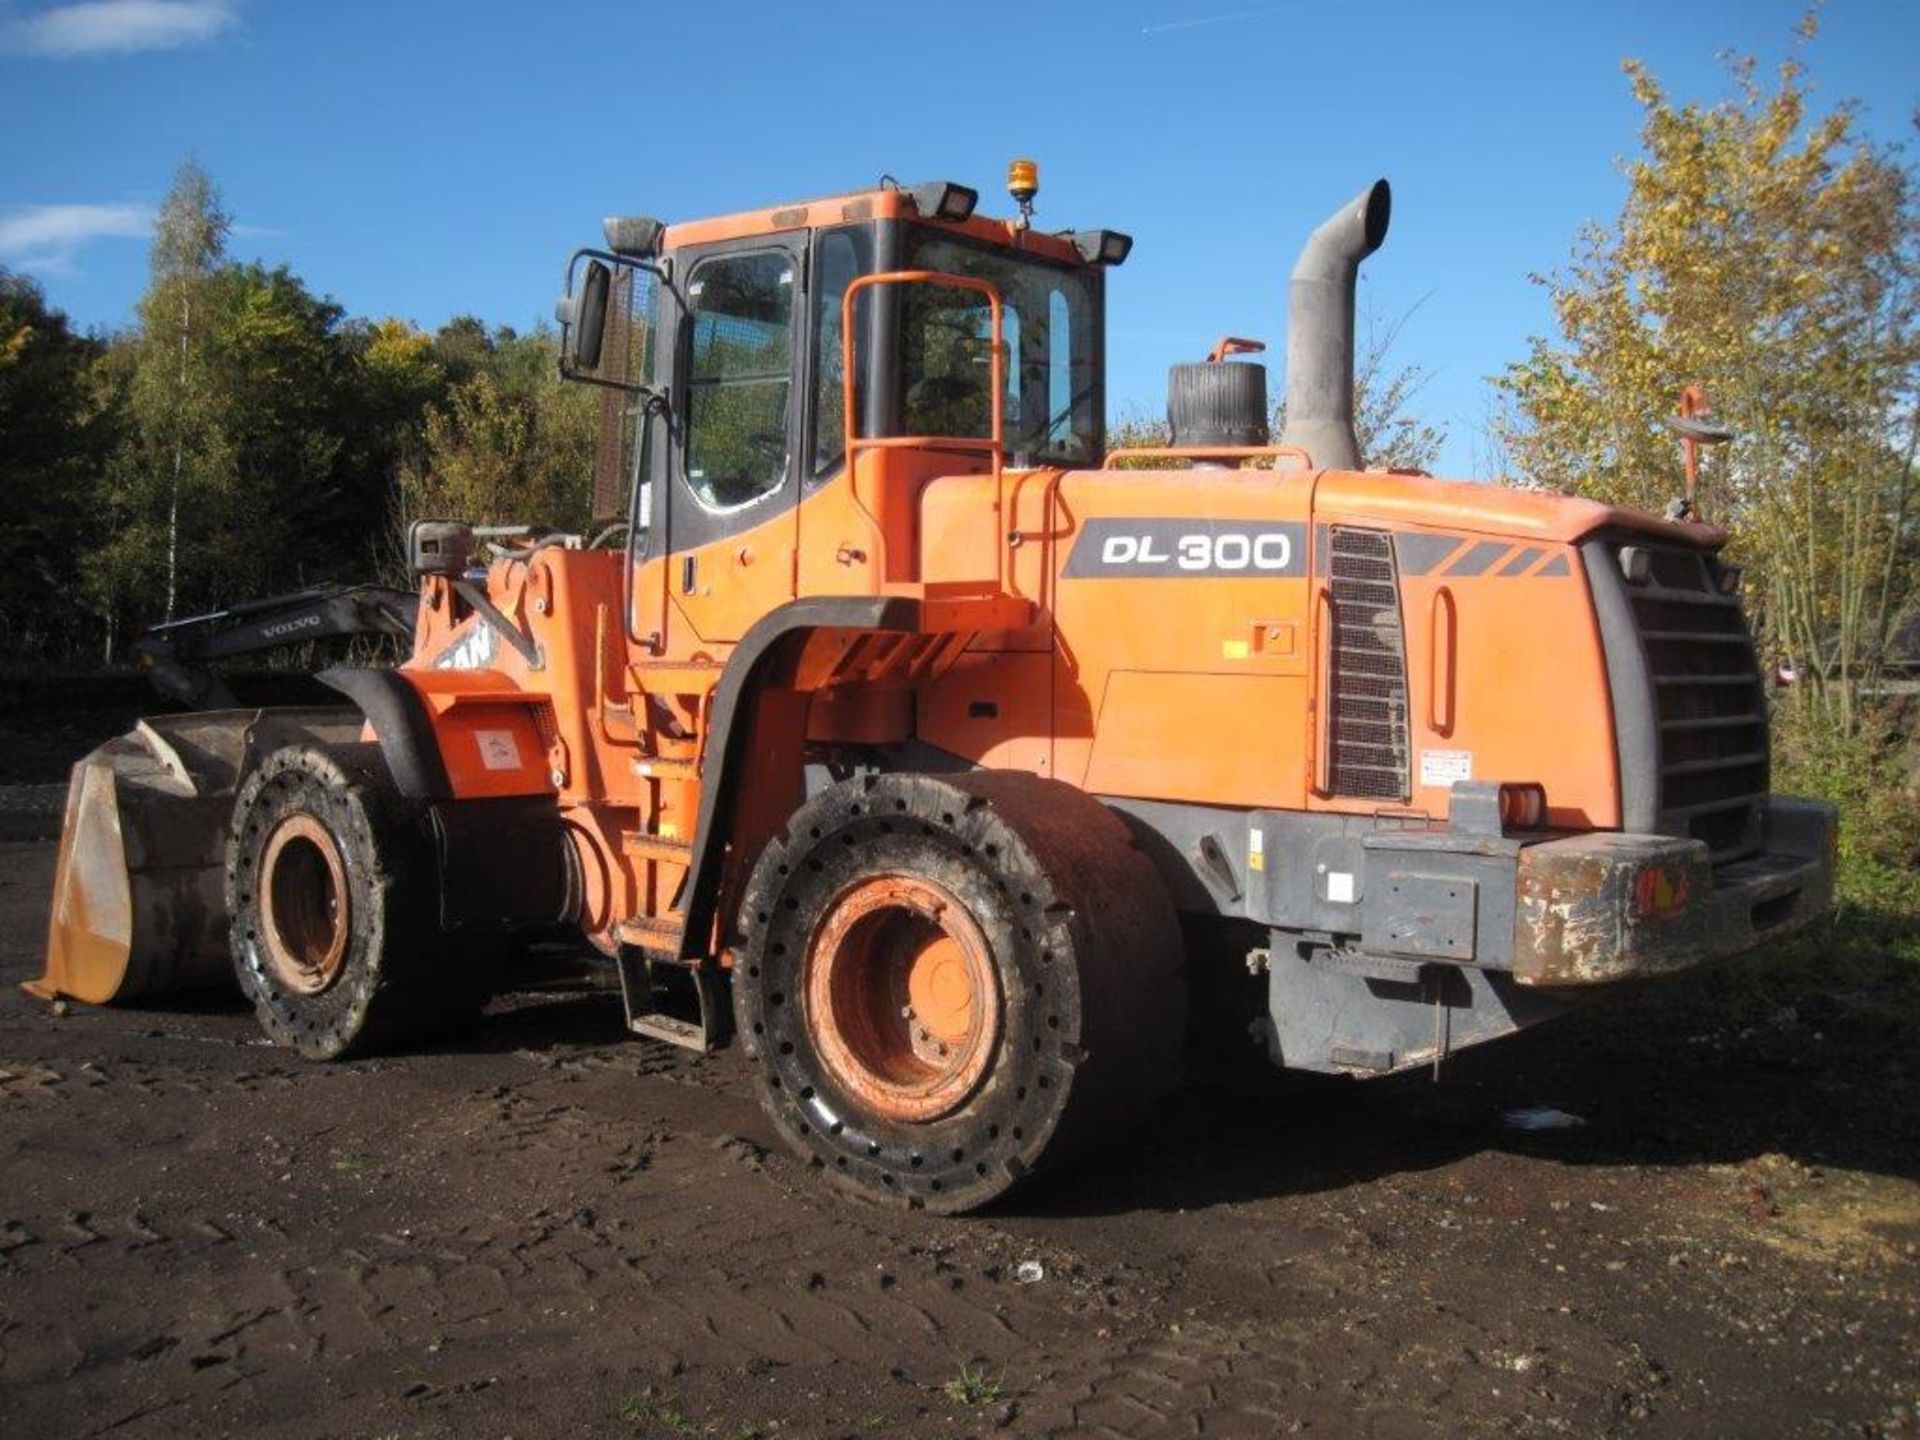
(840, 256)
(739, 381)
(1051, 367)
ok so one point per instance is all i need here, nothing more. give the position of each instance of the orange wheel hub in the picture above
(304, 906)
(903, 1001)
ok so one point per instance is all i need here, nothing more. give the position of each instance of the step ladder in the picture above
(676, 1000)
(669, 998)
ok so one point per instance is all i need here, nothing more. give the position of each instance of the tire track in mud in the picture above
(574, 1209)
(198, 1234)
(589, 1227)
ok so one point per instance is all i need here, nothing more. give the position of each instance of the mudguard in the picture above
(452, 734)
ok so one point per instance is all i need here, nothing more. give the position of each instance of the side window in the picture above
(842, 255)
(739, 381)
(1060, 377)
(946, 360)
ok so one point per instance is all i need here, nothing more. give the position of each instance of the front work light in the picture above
(944, 200)
(1101, 247)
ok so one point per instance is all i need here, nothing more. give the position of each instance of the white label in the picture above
(1340, 886)
(473, 652)
(1445, 767)
(498, 749)
(1256, 849)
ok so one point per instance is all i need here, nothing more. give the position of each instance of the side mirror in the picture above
(586, 319)
(607, 314)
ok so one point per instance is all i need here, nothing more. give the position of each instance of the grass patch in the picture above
(974, 1386)
(648, 1412)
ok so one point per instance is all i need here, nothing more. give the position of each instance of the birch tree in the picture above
(174, 397)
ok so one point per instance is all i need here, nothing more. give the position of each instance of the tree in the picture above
(511, 444)
(1767, 253)
(281, 377)
(54, 437)
(171, 393)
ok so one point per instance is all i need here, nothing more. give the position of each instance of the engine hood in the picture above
(1400, 499)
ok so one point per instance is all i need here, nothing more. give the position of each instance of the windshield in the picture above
(1052, 399)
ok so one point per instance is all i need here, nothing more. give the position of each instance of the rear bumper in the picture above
(1595, 909)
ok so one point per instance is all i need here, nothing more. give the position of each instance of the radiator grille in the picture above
(1709, 701)
(1367, 693)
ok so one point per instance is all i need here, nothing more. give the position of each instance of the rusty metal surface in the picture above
(1599, 908)
(902, 997)
(305, 904)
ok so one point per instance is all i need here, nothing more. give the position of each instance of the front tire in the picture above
(949, 980)
(333, 905)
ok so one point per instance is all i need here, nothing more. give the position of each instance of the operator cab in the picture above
(723, 345)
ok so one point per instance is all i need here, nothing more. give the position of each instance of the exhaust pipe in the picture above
(1320, 329)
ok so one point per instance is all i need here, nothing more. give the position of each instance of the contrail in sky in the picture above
(1205, 20)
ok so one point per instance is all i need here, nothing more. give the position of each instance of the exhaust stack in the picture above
(1320, 329)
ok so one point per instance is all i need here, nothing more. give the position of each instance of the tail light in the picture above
(1523, 806)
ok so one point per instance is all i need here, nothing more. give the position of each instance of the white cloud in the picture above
(45, 239)
(110, 27)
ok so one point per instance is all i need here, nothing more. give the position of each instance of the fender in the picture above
(501, 854)
(451, 734)
(764, 653)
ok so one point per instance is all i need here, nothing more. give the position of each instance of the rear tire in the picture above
(333, 899)
(949, 980)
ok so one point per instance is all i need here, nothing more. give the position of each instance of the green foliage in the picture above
(1870, 774)
(177, 459)
(1771, 254)
(246, 436)
(974, 1386)
(511, 443)
(650, 1412)
(55, 434)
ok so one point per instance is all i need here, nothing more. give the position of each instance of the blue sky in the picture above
(426, 159)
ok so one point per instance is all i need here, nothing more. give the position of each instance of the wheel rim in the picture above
(304, 906)
(903, 1002)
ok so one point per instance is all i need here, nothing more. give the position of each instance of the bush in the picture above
(1866, 775)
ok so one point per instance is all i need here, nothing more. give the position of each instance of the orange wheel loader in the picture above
(934, 751)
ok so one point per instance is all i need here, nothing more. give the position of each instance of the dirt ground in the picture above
(552, 1230)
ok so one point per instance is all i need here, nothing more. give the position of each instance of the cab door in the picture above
(735, 462)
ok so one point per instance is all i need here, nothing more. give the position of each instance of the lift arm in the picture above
(178, 656)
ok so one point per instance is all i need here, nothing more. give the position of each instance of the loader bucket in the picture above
(139, 904)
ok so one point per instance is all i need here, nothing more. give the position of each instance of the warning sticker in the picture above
(498, 749)
(1256, 849)
(1445, 767)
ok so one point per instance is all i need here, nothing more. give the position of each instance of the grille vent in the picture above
(1710, 704)
(1367, 697)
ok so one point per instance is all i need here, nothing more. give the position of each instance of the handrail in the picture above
(1444, 623)
(1319, 713)
(1206, 452)
(994, 445)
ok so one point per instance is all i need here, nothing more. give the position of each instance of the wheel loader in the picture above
(906, 733)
